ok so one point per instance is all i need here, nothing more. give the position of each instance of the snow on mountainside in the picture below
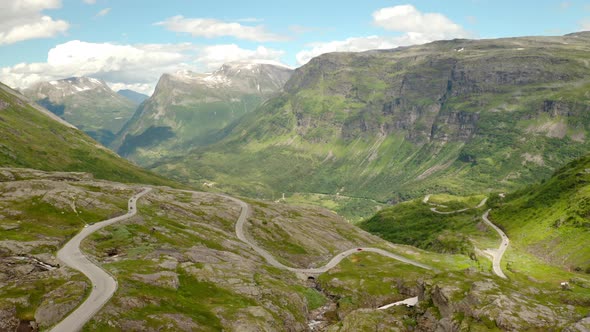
(188, 108)
(88, 103)
(258, 75)
(65, 87)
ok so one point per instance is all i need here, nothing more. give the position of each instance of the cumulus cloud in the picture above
(103, 12)
(126, 64)
(136, 67)
(585, 24)
(406, 18)
(213, 57)
(211, 28)
(415, 28)
(360, 44)
(23, 20)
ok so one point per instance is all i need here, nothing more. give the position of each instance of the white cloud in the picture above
(211, 28)
(416, 28)
(23, 20)
(360, 44)
(136, 67)
(103, 12)
(213, 57)
(126, 64)
(585, 24)
(90, 2)
(406, 18)
(250, 20)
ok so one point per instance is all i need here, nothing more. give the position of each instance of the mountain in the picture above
(134, 96)
(87, 103)
(188, 109)
(459, 116)
(32, 137)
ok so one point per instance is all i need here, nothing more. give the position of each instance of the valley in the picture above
(398, 124)
(425, 179)
(184, 243)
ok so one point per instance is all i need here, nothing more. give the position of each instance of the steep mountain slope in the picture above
(31, 137)
(187, 109)
(552, 218)
(459, 116)
(180, 266)
(134, 96)
(87, 103)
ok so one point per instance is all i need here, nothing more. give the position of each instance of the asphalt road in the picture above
(103, 284)
(433, 209)
(498, 253)
(331, 264)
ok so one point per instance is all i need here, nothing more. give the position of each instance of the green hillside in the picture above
(552, 219)
(188, 109)
(31, 139)
(463, 116)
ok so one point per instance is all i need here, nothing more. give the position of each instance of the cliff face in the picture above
(456, 115)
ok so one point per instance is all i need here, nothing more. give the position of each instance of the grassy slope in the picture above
(35, 214)
(330, 133)
(415, 224)
(101, 115)
(29, 139)
(534, 260)
(551, 220)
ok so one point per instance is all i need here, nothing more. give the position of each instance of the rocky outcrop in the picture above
(59, 302)
(487, 303)
(166, 279)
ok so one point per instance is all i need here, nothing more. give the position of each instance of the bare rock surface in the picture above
(59, 302)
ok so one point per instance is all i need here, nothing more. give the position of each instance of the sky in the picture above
(131, 43)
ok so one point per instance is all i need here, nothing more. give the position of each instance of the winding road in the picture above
(498, 253)
(495, 253)
(331, 264)
(103, 284)
(433, 209)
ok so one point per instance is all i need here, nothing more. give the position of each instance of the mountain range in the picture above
(462, 131)
(461, 116)
(134, 96)
(33, 137)
(188, 109)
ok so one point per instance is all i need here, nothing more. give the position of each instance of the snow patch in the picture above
(81, 88)
(408, 302)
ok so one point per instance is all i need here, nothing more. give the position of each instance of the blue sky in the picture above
(130, 43)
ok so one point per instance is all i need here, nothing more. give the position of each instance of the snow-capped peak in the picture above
(67, 87)
(254, 62)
